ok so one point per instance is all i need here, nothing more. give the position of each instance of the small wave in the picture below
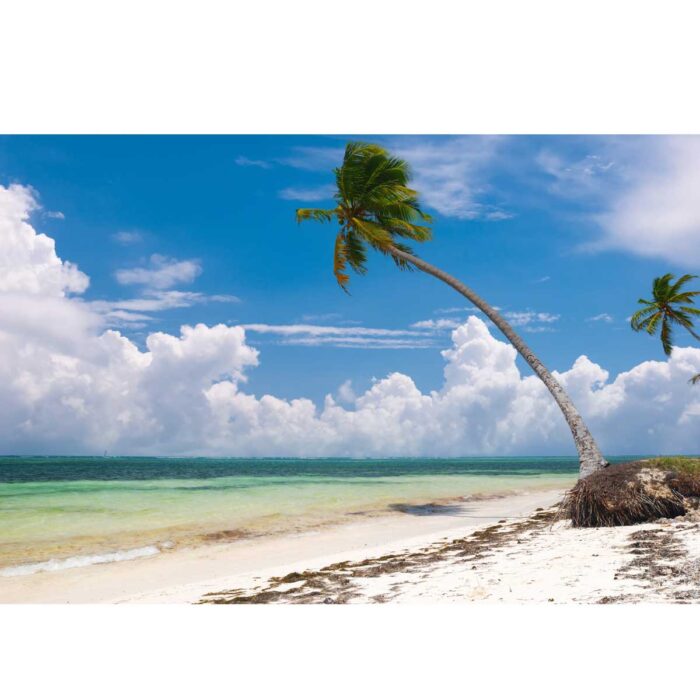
(78, 561)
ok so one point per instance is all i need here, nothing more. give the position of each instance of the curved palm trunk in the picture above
(590, 456)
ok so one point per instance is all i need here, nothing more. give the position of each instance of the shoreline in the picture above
(186, 575)
(508, 549)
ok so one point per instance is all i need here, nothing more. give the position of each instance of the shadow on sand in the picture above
(427, 509)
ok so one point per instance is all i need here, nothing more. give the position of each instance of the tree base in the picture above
(627, 494)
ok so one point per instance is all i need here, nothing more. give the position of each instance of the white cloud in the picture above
(313, 330)
(346, 394)
(307, 194)
(28, 259)
(658, 213)
(640, 191)
(55, 215)
(574, 178)
(162, 273)
(68, 387)
(452, 175)
(127, 313)
(314, 158)
(127, 237)
(362, 342)
(344, 336)
(251, 162)
(437, 324)
(605, 318)
(526, 319)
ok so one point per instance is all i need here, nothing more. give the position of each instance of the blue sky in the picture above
(508, 221)
(158, 297)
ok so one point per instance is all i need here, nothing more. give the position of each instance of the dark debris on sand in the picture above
(340, 582)
(661, 564)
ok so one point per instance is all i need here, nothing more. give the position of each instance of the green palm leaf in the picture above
(376, 207)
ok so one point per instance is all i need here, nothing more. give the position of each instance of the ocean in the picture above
(62, 512)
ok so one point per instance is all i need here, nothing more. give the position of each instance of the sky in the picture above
(157, 297)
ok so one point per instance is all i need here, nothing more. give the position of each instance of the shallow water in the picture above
(73, 511)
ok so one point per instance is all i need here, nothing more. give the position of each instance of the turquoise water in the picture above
(78, 510)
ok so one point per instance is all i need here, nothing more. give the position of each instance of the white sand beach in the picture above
(507, 549)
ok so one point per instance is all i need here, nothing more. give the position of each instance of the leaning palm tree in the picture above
(670, 306)
(375, 207)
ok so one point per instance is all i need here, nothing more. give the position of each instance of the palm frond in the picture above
(406, 229)
(340, 258)
(653, 322)
(375, 234)
(666, 336)
(641, 317)
(322, 215)
(356, 254)
(680, 282)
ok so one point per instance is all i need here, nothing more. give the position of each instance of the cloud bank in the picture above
(70, 387)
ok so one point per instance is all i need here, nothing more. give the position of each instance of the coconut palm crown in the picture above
(669, 307)
(374, 207)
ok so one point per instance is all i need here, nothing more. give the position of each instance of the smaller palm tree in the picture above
(671, 306)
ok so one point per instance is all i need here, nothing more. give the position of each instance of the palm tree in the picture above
(670, 306)
(375, 207)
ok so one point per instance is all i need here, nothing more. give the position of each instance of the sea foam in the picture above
(75, 562)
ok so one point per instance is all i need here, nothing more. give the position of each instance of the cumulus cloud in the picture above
(162, 273)
(70, 387)
(28, 259)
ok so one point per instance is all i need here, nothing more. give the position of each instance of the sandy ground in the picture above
(507, 550)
